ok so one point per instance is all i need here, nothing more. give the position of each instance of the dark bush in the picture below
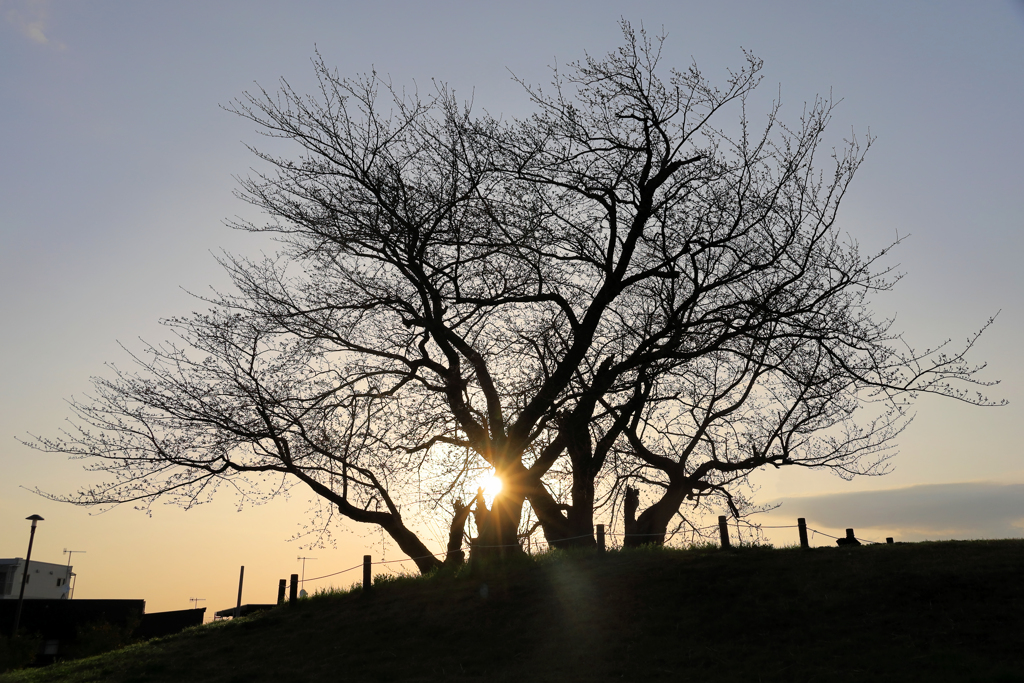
(18, 652)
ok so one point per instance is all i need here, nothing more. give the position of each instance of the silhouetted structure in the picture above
(241, 611)
(59, 622)
(850, 539)
(158, 624)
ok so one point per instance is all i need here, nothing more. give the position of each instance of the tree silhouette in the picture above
(622, 302)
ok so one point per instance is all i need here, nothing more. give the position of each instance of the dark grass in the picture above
(951, 611)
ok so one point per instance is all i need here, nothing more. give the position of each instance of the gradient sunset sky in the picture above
(116, 174)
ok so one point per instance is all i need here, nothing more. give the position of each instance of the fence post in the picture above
(802, 525)
(367, 579)
(293, 591)
(282, 585)
(723, 531)
(600, 538)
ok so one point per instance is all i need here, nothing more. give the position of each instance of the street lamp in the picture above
(24, 574)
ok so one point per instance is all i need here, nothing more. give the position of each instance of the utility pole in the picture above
(35, 519)
(70, 553)
(303, 584)
(238, 606)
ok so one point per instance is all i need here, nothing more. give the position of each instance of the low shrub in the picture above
(18, 651)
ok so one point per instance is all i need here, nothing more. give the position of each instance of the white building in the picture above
(45, 580)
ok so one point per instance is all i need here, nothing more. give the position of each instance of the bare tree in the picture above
(622, 294)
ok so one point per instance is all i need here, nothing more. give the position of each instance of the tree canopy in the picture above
(621, 305)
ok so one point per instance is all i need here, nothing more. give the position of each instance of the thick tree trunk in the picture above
(455, 555)
(629, 508)
(498, 527)
(549, 514)
(649, 529)
(585, 466)
(580, 516)
(652, 524)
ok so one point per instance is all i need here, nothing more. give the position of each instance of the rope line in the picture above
(667, 533)
(865, 540)
(813, 531)
(408, 559)
(335, 573)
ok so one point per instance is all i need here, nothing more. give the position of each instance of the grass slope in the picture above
(951, 611)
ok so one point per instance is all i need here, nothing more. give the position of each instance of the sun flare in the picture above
(491, 484)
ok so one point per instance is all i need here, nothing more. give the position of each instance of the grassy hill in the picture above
(951, 611)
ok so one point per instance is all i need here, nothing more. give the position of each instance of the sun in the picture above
(491, 484)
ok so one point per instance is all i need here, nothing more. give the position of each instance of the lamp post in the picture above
(24, 574)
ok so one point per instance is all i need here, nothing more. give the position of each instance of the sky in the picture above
(118, 163)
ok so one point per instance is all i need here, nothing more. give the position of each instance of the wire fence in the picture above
(554, 542)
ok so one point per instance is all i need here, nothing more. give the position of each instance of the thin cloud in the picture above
(30, 17)
(963, 510)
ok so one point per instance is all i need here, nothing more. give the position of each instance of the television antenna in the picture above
(195, 602)
(303, 584)
(70, 554)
